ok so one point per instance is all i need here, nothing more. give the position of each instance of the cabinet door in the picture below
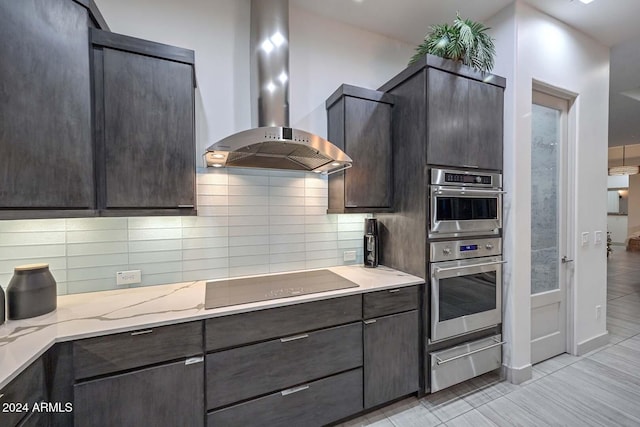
(448, 118)
(167, 395)
(486, 104)
(368, 142)
(46, 157)
(391, 357)
(149, 143)
(21, 393)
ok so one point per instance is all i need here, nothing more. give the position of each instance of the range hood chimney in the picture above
(272, 144)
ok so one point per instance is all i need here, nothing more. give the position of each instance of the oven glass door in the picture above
(463, 211)
(466, 296)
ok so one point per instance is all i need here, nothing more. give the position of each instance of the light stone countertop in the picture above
(101, 313)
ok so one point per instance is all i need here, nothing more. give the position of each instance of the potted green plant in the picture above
(465, 40)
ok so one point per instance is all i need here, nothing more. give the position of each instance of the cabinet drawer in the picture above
(390, 301)
(463, 362)
(102, 355)
(245, 372)
(170, 395)
(26, 389)
(245, 328)
(313, 404)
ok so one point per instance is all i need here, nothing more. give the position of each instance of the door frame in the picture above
(570, 215)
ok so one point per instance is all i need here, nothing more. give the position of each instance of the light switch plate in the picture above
(597, 237)
(585, 238)
(349, 256)
(130, 277)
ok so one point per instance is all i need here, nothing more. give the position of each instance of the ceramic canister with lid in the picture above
(31, 292)
(2, 306)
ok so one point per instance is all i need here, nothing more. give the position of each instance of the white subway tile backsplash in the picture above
(83, 224)
(155, 222)
(77, 274)
(61, 288)
(204, 243)
(156, 234)
(248, 240)
(286, 229)
(35, 251)
(88, 236)
(248, 270)
(40, 238)
(205, 253)
(159, 256)
(77, 249)
(249, 250)
(205, 264)
(32, 225)
(249, 230)
(97, 260)
(249, 222)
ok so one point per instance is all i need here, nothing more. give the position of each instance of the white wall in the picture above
(549, 51)
(617, 225)
(634, 205)
(249, 221)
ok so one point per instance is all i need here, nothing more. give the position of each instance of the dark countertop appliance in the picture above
(371, 243)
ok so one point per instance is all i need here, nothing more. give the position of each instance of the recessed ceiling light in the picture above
(586, 1)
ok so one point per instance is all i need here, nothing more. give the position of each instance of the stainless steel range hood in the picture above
(273, 144)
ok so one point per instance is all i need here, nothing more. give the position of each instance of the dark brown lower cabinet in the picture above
(167, 395)
(19, 396)
(312, 404)
(35, 419)
(391, 357)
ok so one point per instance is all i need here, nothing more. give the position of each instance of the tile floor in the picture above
(601, 388)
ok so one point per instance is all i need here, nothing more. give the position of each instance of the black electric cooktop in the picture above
(222, 293)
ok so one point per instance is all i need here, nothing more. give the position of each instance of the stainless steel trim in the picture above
(438, 178)
(294, 338)
(440, 361)
(442, 330)
(369, 322)
(348, 166)
(438, 270)
(194, 360)
(393, 291)
(450, 250)
(185, 206)
(148, 331)
(294, 390)
(566, 260)
(455, 191)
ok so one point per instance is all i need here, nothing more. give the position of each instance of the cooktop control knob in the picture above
(446, 251)
(489, 246)
(478, 179)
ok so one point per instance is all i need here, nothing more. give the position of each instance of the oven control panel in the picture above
(462, 249)
(462, 178)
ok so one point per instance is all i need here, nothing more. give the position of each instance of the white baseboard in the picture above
(517, 375)
(591, 344)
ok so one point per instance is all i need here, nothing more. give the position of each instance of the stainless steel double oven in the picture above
(465, 271)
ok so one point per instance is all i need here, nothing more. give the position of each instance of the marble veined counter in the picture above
(101, 313)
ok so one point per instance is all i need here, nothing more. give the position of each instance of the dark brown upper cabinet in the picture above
(464, 121)
(359, 123)
(46, 155)
(144, 126)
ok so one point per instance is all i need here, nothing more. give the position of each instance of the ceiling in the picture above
(611, 22)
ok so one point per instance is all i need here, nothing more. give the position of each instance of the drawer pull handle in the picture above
(451, 359)
(1, 395)
(293, 390)
(185, 206)
(393, 291)
(148, 331)
(194, 360)
(370, 321)
(297, 337)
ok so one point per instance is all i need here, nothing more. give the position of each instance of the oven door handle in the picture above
(451, 359)
(463, 191)
(438, 270)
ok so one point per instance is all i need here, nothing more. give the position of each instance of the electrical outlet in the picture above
(349, 256)
(585, 238)
(597, 237)
(130, 277)
(598, 312)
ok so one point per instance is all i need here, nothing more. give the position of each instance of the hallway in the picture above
(601, 388)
